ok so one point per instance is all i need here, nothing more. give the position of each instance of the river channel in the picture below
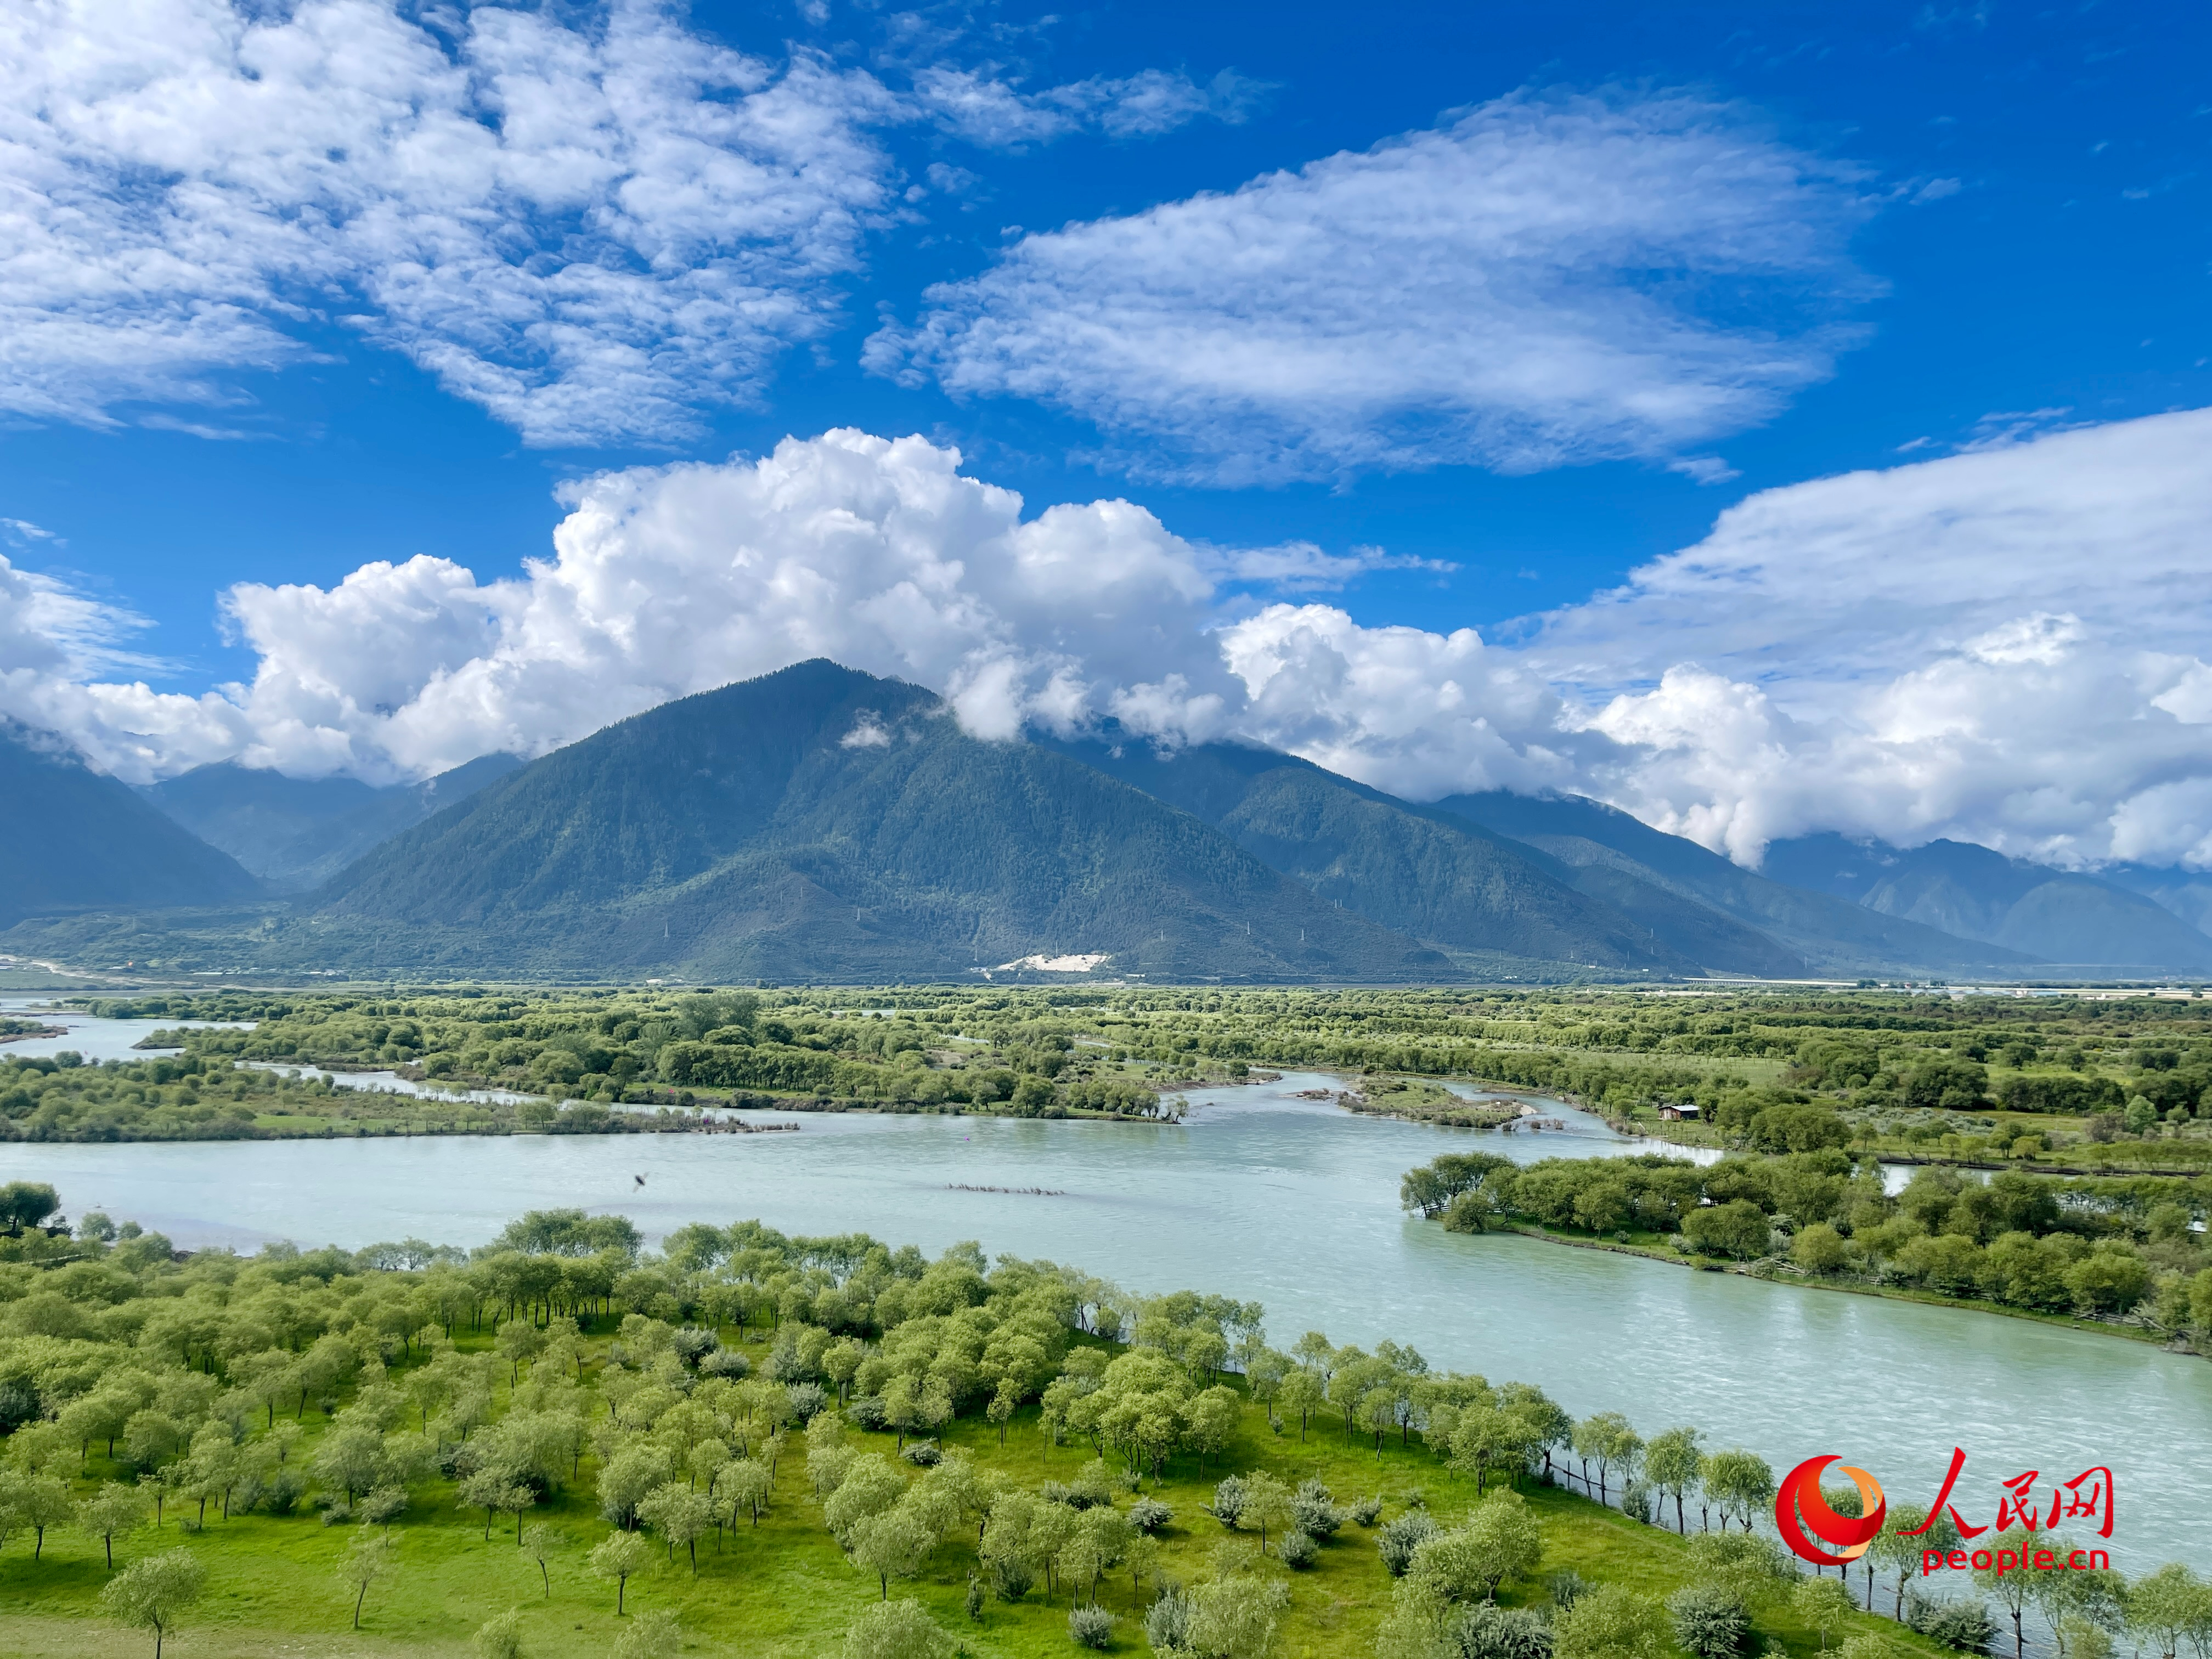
(1264, 1196)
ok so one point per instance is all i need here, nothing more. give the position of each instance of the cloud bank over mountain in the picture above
(2002, 645)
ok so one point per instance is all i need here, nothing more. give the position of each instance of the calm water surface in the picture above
(1293, 1203)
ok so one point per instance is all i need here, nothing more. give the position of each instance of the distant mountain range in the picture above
(822, 824)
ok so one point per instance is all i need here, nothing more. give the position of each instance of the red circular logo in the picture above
(1799, 1508)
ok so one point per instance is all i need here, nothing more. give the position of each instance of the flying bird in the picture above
(639, 1179)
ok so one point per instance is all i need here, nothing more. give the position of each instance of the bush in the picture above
(923, 1455)
(1966, 1625)
(896, 1630)
(1635, 1499)
(1489, 1632)
(1090, 1628)
(1366, 1511)
(1167, 1621)
(807, 1399)
(1314, 1510)
(1011, 1578)
(1229, 1501)
(1399, 1540)
(500, 1638)
(866, 1412)
(1296, 1548)
(1709, 1621)
(1567, 1587)
(1150, 1514)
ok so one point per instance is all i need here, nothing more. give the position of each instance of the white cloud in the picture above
(1541, 281)
(591, 231)
(2004, 646)
(985, 108)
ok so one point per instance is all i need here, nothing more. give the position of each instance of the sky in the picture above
(1770, 418)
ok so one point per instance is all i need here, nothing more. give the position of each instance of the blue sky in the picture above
(1995, 230)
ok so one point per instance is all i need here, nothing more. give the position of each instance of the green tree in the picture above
(2169, 1607)
(372, 1556)
(115, 1509)
(1901, 1555)
(1740, 1482)
(541, 1543)
(42, 1501)
(1609, 1440)
(1672, 1464)
(2014, 1590)
(1823, 1603)
(154, 1592)
(620, 1556)
(653, 1635)
(892, 1545)
(679, 1515)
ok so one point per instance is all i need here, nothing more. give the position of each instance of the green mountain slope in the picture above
(71, 840)
(1429, 874)
(1831, 934)
(819, 824)
(297, 833)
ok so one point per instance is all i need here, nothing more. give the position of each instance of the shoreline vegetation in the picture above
(562, 1442)
(2117, 1254)
(2064, 1083)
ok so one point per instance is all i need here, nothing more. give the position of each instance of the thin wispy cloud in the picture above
(1538, 281)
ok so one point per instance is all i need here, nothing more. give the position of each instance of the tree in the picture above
(154, 1593)
(1612, 1622)
(1237, 1617)
(1609, 1440)
(499, 1638)
(896, 1630)
(1500, 1539)
(679, 1515)
(1739, 1229)
(541, 1545)
(495, 1492)
(744, 1484)
(371, 1556)
(1267, 1505)
(1823, 1603)
(1740, 1483)
(892, 1545)
(42, 1501)
(2168, 1607)
(115, 1509)
(1902, 1555)
(2014, 1590)
(1303, 1392)
(1671, 1463)
(620, 1556)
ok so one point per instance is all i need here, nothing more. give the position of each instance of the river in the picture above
(1293, 1203)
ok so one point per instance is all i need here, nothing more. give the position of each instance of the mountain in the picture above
(1429, 873)
(71, 840)
(2068, 919)
(2186, 893)
(297, 833)
(1832, 934)
(819, 824)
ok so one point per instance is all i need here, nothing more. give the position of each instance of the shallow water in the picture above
(1293, 1203)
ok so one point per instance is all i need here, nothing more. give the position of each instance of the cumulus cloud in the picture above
(2004, 646)
(1539, 281)
(589, 230)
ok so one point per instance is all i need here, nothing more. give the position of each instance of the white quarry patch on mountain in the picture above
(1070, 964)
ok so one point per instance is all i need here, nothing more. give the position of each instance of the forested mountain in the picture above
(71, 840)
(1831, 934)
(2060, 916)
(296, 833)
(1429, 872)
(821, 823)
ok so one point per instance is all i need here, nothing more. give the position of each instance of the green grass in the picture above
(784, 1590)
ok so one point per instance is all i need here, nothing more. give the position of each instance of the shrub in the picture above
(806, 1400)
(1313, 1510)
(1150, 1514)
(500, 1638)
(1709, 1621)
(1366, 1509)
(1090, 1628)
(1229, 1500)
(1296, 1548)
(1636, 1502)
(1399, 1540)
(1488, 1631)
(923, 1455)
(1010, 1577)
(1567, 1587)
(1966, 1625)
(1167, 1621)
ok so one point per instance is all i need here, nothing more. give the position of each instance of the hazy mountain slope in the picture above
(821, 823)
(2185, 893)
(296, 833)
(1429, 874)
(1832, 935)
(71, 840)
(1976, 893)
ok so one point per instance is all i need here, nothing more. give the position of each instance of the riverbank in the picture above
(1778, 1273)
